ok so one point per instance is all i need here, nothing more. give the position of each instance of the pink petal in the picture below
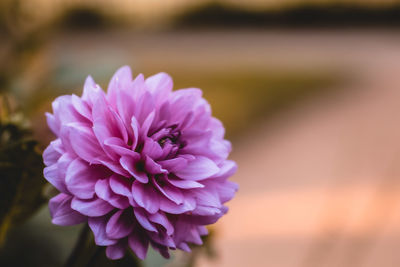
(153, 167)
(61, 212)
(81, 178)
(198, 169)
(144, 130)
(81, 107)
(53, 124)
(171, 192)
(119, 147)
(116, 251)
(103, 191)
(130, 164)
(84, 142)
(91, 91)
(98, 226)
(142, 218)
(185, 184)
(121, 186)
(145, 106)
(50, 154)
(162, 220)
(169, 206)
(119, 225)
(113, 166)
(151, 148)
(121, 80)
(174, 164)
(160, 85)
(145, 196)
(139, 244)
(92, 207)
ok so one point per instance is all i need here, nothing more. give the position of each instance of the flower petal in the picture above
(120, 225)
(162, 220)
(84, 142)
(160, 85)
(103, 191)
(51, 154)
(185, 184)
(198, 169)
(145, 196)
(121, 186)
(130, 164)
(91, 207)
(142, 217)
(61, 212)
(98, 226)
(171, 192)
(139, 244)
(116, 251)
(81, 178)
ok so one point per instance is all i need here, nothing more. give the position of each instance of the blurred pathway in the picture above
(320, 183)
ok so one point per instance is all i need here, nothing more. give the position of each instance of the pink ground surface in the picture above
(320, 184)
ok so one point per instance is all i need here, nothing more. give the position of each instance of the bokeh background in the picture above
(309, 92)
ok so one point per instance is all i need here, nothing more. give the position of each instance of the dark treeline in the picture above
(331, 15)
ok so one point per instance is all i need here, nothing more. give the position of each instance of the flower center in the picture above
(168, 135)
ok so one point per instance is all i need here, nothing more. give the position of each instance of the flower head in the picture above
(142, 164)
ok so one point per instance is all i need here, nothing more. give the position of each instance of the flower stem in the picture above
(79, 247)
(93, 260)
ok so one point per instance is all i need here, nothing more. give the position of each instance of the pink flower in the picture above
(141, 164)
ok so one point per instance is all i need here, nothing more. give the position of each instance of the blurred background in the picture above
(309, 92)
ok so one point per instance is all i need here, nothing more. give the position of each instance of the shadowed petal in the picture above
(98, 226)
(139, 244)
(61, 212)
(162, 220)
(130, 164)
(119, 225)
(116, 251)
(142, 217)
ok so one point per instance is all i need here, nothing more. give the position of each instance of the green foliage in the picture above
(21, 179)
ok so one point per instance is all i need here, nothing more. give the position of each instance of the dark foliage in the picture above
(21, 179)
